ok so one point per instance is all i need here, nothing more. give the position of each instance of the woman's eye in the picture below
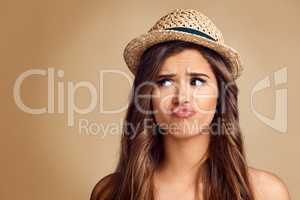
(198, 81)
(164, 82)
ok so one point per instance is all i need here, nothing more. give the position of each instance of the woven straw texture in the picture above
(184, 18)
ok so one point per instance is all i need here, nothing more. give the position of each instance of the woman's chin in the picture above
(187, 130)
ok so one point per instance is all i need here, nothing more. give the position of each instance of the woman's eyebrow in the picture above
(193, 74)
(197, 74)
(166, 75)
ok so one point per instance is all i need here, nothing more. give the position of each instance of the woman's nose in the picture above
(182, 94)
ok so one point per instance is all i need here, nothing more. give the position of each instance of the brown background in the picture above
(43, 158)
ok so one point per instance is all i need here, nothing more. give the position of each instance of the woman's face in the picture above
(185, 98)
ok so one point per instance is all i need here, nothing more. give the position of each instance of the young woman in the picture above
(181, 138)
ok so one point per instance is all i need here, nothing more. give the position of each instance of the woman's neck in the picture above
(183, 157)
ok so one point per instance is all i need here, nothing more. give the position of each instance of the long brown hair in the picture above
(224, 173)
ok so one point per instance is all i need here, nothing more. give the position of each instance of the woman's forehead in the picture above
(189, 60)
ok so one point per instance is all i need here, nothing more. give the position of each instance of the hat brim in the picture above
(135, 48)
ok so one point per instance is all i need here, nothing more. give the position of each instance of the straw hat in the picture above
(186, 25)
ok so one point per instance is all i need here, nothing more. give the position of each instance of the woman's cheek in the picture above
(162, 106)
(206, 108)
(205, 99)
(206, 105)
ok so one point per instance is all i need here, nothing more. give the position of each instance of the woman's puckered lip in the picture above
(183, 111)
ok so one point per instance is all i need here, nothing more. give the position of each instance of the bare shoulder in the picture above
(102, 187)
(267, 185)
